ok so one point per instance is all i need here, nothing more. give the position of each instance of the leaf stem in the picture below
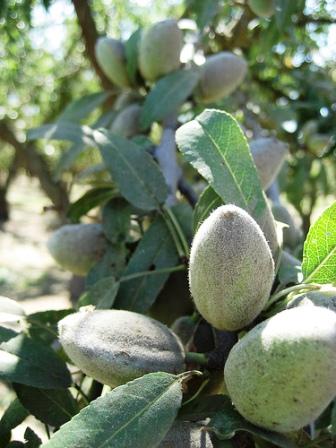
(172, 231)
(80, 390)
(196, 358)
(126, 278)
(196, 394)
(302, 287)
(178, 229)
(47, 430)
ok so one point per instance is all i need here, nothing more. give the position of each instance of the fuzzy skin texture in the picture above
(291, 234)
(110, 55)
(126, 122)
(186, 435)
(77, 247)
(231, 269)
(325, 297)
(269, 155)
(116, 346)
(159, 49)
(262, 8)
(282, 374)
(221, 74)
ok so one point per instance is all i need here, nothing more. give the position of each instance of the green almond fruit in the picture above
(159, 49)
(269, 155)
(77, 247)
(116, 346)
(231, 269)
(186, 435)
(221, 74)
(126, 122)
(262, 8)
(110, 55)
(282, 374)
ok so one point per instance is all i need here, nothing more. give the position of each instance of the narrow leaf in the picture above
(43, 324)
(138, 414)
(111, 265)
(50, 406)
(10, 310)
(84, 106)
(134, 171)
(216, 147)
(102, 294)
(116, 220)
(26, 361)
(63, 131)
(32, 439)
(207, 202)
(167, 96)
(89, 200)
(68, 157)
(227, 422)
(11, 418)
(155, 251)
(319, 251)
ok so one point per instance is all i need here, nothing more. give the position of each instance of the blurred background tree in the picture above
(47, 50)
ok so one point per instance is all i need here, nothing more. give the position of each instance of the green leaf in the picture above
(138, 177)
(203, 408)
(116, 220)
(289, 272)
(319, 251)
(102, 294)
(155, 251)
(63, 131)
(284, 11)
(88, 201)
(32, 439)
(111, 265)
(137, 414)
(43, 324)
(68, 157)
(84, 106)
(11, 418)
(184, 215)
(50, 406)
(10, 310)
(214, 144)
(227, 422)
(204, 11)
(132, 50)
(333, 420)
(207, 202)
(26, 361)
(167, 95)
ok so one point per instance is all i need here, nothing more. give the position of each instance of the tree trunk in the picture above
(36, 166)
(4, 206)
(90, 36)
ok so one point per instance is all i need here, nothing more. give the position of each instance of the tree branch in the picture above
(304, 20)
(165, 154)
(90, 36)
(36, 166)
